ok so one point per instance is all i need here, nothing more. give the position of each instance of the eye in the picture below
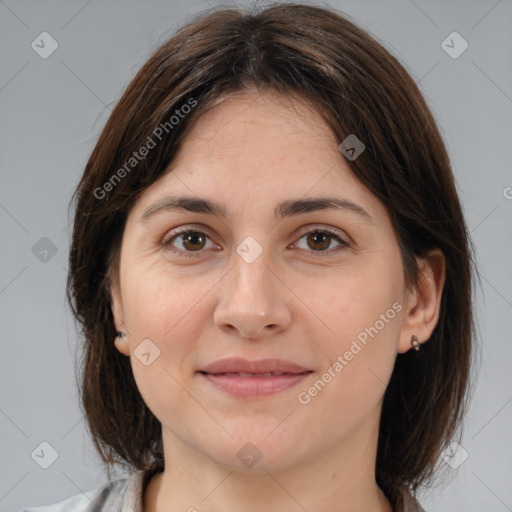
(191, 241)
(319, 240)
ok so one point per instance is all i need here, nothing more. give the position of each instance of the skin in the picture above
(295, 302)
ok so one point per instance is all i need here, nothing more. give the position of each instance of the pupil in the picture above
(192, 239)
(320, 238)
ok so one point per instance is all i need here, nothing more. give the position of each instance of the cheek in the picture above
(170, 311)
(346, 302)
(159, 301)
(358, 318)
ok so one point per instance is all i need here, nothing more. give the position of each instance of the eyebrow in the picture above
(285, 209)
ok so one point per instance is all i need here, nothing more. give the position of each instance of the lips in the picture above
(243, 378)
(246, 368)
(240, 374)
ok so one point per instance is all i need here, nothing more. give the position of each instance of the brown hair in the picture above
(359, 88)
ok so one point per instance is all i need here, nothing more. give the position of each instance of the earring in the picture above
(121, 335)
(415, 343)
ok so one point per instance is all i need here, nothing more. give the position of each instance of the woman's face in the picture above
(258, 283)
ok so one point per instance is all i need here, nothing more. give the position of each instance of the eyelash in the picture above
(167, 243)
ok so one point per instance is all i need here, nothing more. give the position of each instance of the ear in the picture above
(424, 301)
(116, 304)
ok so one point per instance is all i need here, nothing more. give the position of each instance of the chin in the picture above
(257, 454)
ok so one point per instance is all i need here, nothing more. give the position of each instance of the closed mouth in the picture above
(241, 374)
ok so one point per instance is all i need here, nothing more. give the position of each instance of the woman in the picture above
(273, 275)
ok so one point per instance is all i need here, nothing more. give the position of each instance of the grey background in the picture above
(52, 111)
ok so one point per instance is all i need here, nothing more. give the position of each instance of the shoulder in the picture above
(120, 495)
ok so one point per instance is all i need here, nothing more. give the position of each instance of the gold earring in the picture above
(415, 343)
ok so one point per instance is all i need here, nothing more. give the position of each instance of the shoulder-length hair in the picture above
(359, 88)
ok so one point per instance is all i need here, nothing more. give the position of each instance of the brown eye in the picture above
(193, 240)
(188, 242)
(319, 240)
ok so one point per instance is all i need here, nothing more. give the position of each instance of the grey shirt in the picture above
(126, 495)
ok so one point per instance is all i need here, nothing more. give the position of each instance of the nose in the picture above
(253, 301)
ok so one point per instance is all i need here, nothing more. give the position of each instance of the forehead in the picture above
(259, 147)
(259, 126)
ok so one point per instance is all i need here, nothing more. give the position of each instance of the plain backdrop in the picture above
(52, 111)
